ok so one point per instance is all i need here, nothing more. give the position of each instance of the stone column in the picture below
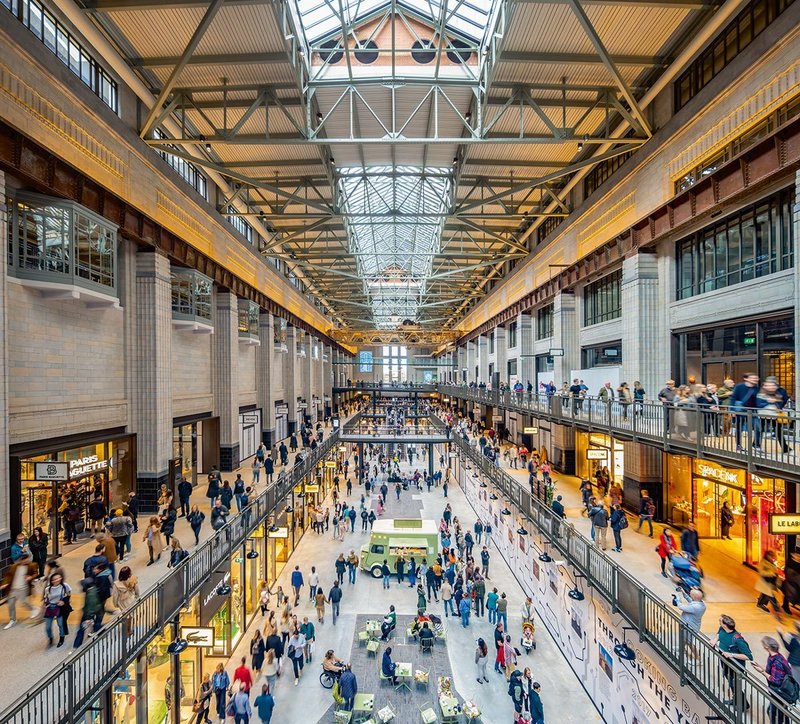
(483, 359)
(643, 471)
(796, 223)
(328, 371)
(153, 362)
(461, 358)
(308, 377)
(645, 343)
(5, 503)
(566, 334)
(472, 360)
(526, 367)
(289, 377)
(501, 353)
(225, 377)
(264, 355)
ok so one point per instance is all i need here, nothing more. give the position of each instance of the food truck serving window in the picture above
(408, 550)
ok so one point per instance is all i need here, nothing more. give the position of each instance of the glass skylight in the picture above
(394, 218)
(321, 18)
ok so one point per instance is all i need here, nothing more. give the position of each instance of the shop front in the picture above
(729, 507)
(221, 601)
(52, 481)
(195, 446)
(595, 451)
(249, 431)
(281, 421)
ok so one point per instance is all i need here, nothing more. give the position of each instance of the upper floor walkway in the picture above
(766, 445)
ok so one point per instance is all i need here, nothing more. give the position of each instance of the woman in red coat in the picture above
(666, 547)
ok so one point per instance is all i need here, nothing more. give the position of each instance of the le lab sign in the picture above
(784, 524)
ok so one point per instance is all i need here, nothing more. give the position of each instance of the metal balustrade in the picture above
(684, 429)
(66, 691)
(721, 684)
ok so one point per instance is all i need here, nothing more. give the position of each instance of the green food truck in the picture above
(393, 537)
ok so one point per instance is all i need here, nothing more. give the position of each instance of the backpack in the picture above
(789, 690)
(651, 508)
(623, 523)
(238, 488)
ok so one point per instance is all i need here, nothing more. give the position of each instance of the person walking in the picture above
(690, 541)
(776, 670)
(464, 609)
(38, 544)
(168, 518)
(349, 687)
(92, 612)
(792, 645)
(271, 668)
(340, 566)
(400, 568)
(133, 510)
(125, 590)
(220, 681)
(258, 648)
(666, 547)
(55, 597)
(535, 705)
(18, 585)
(243, 675)
(296, 653)
(502, 610)
(334, 599)
(240, 707)
(446, 592)
(479, 593)
(618, 523)
(386, 573)
(319, 604)
(485, 562)
(184, 495)
(313, 583)
(647, 509)
(481, 657)
(297, 584)
(265, 704)
(202, 701)
(219, 514)
(599, 517)
(509, 656)
(196, 518)
(155, 543)
(308, 631)
(491, 605)
(352, 565)
(767, 583)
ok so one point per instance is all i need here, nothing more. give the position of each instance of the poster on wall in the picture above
(644, 691)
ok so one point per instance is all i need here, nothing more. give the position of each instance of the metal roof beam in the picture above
(611, 65)
(581, 58)
(291, 139)
(180, 63)
(211, 59)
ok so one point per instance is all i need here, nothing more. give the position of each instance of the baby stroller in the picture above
(528, 641)
(685, 573)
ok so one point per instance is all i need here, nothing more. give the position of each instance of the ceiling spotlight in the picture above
(293, 256)
(178, 646)
(319, 117)
(252, 554)
(301, 495)
(484, 485)
(492, 497)
(332, 160)
(468, 116)
(576, 594)
(522, 531)
(505, 511)
(289, 509)
(208, 147)
(625, 652)
(273, 529)
(223, 590)
(580, 145)
(545, 557)
(455, 160)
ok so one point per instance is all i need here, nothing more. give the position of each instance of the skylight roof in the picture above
(321, 18)
(394, 218)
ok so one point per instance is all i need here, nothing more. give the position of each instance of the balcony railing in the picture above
(64, 693)
(689, 653)
(684, 428)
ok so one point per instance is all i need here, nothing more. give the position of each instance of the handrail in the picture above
(64, 692)
(688, 653)
(685, 428)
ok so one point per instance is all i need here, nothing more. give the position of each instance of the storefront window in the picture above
(766, 496)
(106, 468)
(159, 678)
(588, 450)
(679, 490)
(184, 449)
(766, 348)
(237, 595)
(256, 572)
(190, 663)
(124, 693)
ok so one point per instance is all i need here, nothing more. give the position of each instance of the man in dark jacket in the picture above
(98, 558)
(535, 704)
(334, 598)
(184, 493)
(690, 541)
(349, 687)
(133, 509)
(388, 666)
(745, 398)
(599, 518)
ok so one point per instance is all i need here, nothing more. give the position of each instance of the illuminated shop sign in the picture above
(85, 466)
(714, 472)
(784, 523)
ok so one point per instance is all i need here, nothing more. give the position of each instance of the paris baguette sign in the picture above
(784, 523)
